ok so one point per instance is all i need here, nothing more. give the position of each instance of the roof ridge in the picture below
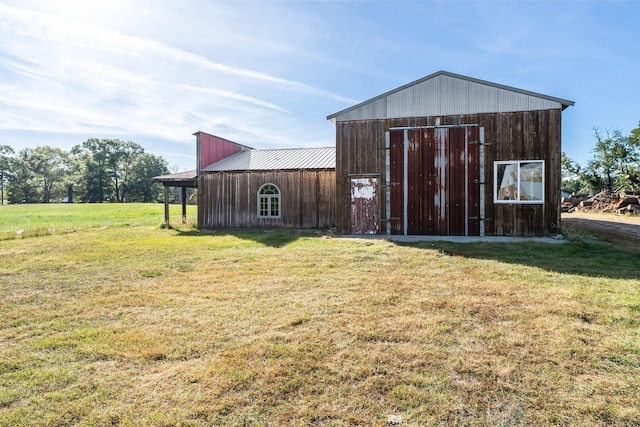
(292, 148)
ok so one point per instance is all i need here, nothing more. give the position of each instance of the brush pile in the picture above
(613, 202)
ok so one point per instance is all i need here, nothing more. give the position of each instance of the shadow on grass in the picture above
(584, 258)
(276, 238)
(577, 256)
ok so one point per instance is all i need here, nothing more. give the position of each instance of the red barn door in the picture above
(435, 181)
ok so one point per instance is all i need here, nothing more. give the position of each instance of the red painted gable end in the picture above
(212, 149)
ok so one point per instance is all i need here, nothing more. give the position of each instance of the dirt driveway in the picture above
(621, 230)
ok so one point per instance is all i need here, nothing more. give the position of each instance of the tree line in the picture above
(111, 170)
(614, 166)
(98, 170)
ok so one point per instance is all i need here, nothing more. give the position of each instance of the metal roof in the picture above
(176, 177)
(443, 94)
(280, 159)
(181, 179)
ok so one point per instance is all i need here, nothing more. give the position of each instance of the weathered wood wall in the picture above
(528, 135)
(230, 199)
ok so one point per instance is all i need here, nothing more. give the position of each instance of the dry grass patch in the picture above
(283, 328)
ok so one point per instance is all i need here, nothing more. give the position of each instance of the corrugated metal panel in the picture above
(484, 97)
(281, 159)
(377, 108)
(443, 94)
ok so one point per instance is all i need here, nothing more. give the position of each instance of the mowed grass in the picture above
(17, 221)
(142, 326)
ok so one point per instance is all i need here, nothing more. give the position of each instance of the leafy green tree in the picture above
(23, 183)
(115, 170)
(121, 162)
(572, 175)
(146, 167)
(76, 178)
(97, 170)
(633, 168)
(92, 161)
(6, 156)
(578, 179)
(50, 166)
(6, 165)
(613, 154)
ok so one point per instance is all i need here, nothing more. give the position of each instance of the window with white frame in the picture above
(519, 181)
(269, 201)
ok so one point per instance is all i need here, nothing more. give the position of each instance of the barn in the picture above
(450, 155)
(241, 187)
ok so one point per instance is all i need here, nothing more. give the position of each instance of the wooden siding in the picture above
(229, 199)
(528, 135)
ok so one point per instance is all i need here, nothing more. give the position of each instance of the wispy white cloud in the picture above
(89, 36)
(234, 95)
(69, 77)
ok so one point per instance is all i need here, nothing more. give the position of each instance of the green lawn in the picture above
(56, 218)
(122, 322)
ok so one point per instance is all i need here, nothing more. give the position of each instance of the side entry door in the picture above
(364, 205)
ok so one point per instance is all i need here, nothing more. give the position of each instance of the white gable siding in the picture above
(445, 94)
(374, 109)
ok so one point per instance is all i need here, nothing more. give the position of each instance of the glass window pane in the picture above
(269, 201)
(531, 181)
(264, 206)
(508, 178)
(269, 189)
(519, 181)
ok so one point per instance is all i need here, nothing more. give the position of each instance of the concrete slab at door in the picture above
(364, 205)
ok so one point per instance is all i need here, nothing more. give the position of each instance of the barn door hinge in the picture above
(391, 184)
(393, 218)
(481, 219)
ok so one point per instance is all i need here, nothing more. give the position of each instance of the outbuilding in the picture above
(450, 155)
(241, 187)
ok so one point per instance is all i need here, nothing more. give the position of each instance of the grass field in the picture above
(36, 220)
(108, 319)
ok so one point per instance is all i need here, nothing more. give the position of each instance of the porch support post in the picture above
(166, 205)
(184, 205)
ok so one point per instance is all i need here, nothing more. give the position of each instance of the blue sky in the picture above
(267, 73)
